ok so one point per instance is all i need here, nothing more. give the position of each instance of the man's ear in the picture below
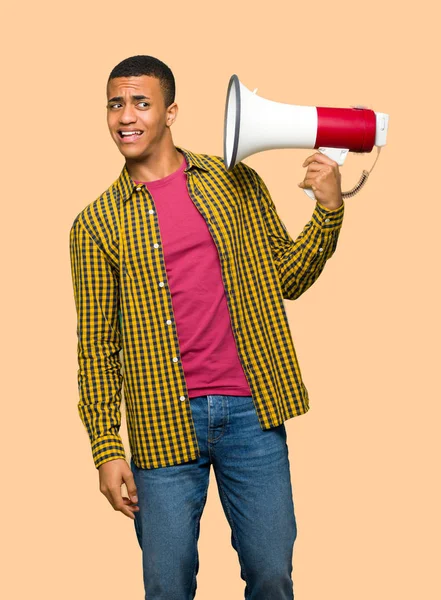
(172, 114)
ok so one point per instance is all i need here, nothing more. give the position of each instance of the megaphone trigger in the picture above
(337, 154)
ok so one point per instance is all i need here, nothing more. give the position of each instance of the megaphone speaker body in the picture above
(253, 124)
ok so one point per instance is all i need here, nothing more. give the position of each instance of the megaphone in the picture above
(253, 124)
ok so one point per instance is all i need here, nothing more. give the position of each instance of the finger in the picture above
(308, 183)
(130, 509)
(315, 166)
(308, 160)
(115, 497)
(122, 507)
(128, 512)
(129, 480)
(130, 504)
(320, 158)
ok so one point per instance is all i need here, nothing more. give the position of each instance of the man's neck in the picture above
(157, 166)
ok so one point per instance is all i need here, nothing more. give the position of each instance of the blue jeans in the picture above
(254, 484)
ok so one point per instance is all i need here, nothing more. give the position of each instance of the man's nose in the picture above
(127, 114)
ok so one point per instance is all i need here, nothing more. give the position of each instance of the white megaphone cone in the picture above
(254, 124)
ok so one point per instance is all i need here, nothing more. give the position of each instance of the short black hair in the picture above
(141, 64)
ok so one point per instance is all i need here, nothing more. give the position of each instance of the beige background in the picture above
(365, 459)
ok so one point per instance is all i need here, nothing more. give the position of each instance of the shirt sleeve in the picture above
(299, 262)
(96, 292)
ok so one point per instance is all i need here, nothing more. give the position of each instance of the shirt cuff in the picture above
(108, 447)
(328, 219)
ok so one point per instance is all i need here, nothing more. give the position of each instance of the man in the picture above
(185, 265)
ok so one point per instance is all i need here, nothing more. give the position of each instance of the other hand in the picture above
(113, 474)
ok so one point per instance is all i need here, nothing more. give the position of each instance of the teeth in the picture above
(130, 132)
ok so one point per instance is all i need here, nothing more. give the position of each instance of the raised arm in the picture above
(299, 262)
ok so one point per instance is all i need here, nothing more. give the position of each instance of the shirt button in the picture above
(161, 284)
(326, 220)
(175, 359)
(138, 188)
(181, 397)
(320, 249)
(151, 211)
(155, 245)
(168, 322)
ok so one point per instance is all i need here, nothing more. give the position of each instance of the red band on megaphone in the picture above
(351, 128)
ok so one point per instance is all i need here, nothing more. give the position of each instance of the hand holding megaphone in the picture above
(253, 124)
(324, 179)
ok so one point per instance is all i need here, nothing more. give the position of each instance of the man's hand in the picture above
(112, 475)
(324, 177)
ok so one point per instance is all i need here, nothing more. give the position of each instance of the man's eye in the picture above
(117, 104)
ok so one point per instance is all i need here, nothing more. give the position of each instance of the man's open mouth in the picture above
(129, 134)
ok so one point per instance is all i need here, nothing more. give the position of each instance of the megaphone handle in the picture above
(337, 154)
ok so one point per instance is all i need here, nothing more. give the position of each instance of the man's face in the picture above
(137, 104)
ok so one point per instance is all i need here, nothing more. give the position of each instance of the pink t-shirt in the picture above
(209, 355)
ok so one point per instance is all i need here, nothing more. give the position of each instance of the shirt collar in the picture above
(127, 186)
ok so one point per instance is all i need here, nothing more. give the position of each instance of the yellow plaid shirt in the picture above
(123, 302)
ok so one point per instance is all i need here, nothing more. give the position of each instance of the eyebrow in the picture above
(120, 98)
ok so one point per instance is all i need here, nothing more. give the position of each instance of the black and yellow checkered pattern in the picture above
(121, 304)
